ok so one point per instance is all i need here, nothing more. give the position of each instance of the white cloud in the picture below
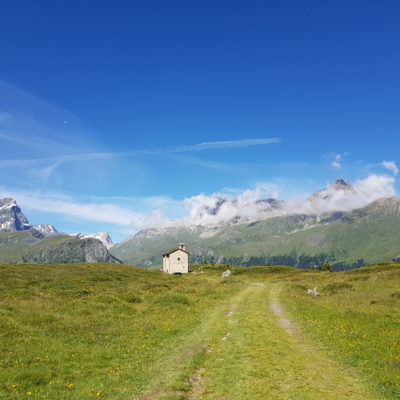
(337, 160)
(247, 205)
(230, 205)
(157, 212)
(202, 209)
(343, 197)
(391, 166)
(95, 212)
(134, 153)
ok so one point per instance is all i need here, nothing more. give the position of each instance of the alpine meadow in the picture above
(200, 200)
(79, 331)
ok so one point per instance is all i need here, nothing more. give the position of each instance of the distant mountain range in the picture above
(338, 224)
(274, 233)
(22, 242)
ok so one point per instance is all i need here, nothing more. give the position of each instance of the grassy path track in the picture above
(257, 353)
(189, 355)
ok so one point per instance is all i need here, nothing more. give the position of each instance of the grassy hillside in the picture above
(370, 234)
(14, 243)
(28, 246)
(79, 331)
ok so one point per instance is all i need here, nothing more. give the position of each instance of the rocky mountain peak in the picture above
(8, 202)
(331, 190)
(47, 230)
(341, 184)
(104, 238)
(11, 217)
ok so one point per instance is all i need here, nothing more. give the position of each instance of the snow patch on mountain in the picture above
(104, 238)
(47, 230)
(11, 217)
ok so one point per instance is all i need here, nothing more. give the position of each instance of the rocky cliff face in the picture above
(11, 217)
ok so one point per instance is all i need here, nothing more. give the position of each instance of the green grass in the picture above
(356, 318)
(85, 331)
(89, 331)
(253, 358)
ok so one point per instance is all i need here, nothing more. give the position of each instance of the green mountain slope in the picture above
(365, 235)
(30, 246)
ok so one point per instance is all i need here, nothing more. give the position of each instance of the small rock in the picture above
(226, 273)
(313, 292)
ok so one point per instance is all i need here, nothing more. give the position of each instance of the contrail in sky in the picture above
(109, 155)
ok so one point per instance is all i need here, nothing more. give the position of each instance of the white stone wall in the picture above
(165, 264)
(178, 261)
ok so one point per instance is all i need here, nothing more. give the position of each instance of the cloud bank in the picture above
(252, 204)
(344, 197)
(214, 209)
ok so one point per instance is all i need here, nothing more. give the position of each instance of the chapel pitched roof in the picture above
(173, 250)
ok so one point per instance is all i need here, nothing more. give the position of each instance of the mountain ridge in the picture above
(326, 226)
(339, 237)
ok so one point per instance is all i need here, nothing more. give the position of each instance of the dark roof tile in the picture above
(173, 250)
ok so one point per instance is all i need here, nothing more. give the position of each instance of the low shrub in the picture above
(325, 267)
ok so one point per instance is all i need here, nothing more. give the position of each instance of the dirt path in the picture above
(257, 352)
(195, 347)
(250, 349)
(290, 327)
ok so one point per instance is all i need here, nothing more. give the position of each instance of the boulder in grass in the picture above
(226, 273)
(313, 292)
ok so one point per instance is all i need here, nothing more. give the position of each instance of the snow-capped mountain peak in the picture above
(46, 230)
(11, 217)
(104, 237)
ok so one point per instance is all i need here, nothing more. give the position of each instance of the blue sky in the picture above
(105, 106)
